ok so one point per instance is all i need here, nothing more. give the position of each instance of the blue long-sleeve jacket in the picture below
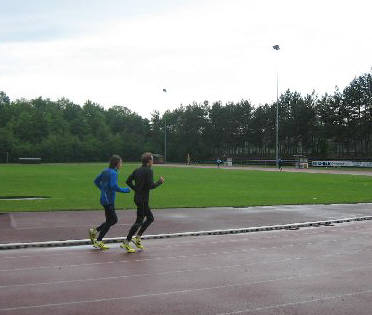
(107, 182)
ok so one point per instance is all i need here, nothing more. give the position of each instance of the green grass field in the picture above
(70, 187)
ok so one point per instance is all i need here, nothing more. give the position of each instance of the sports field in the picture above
(70, 187)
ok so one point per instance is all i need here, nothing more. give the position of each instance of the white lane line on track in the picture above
(270, 307)
(165, 257)
(222, 241)
(59, 227)
(184, 234)
(151, 274)
(185, 291)
(187, 270)
(227, 239)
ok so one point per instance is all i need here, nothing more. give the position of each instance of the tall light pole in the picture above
(165, 133)
(165, 139)
(277, 48)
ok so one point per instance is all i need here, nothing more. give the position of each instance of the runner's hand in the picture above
(161, 179)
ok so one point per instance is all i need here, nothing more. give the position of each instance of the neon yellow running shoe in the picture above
(137, 241)
(93, 235)
(100, 245)
(126, 246)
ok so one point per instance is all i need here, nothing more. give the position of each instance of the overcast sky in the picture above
(124, 52)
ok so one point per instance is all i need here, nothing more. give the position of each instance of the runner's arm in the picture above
(114, 184)
(150, 180)
(97, 181)
(130, 181)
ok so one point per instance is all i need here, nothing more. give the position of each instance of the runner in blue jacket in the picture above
(107, 183)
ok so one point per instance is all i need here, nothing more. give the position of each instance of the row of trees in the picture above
(63, 131)
(329, 126)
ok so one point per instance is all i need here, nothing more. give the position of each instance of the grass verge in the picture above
(70, 187)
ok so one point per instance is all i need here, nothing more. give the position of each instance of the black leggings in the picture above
(143, 210)
(111, 219)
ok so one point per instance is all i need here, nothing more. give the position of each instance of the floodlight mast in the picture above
(165, 133)
(277, 48)
(165, 140)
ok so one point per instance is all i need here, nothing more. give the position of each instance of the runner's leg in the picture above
(139, 220)
(149, 219)
(111, 219)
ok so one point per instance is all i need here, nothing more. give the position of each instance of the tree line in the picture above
(330, 126)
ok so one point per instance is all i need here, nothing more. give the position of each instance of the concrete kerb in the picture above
(185, 234)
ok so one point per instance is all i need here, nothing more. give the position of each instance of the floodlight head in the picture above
(276, 47)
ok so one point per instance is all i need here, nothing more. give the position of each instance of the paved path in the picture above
(325, 270)
(67, 225)
(273, 169)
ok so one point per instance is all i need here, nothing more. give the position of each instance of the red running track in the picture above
(19, 227)
(325, 270)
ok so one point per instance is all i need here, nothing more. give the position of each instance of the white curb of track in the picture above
(183, 234)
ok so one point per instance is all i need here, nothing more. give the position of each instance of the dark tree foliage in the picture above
(337, 126)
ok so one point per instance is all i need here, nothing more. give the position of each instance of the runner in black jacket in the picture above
(143, 183)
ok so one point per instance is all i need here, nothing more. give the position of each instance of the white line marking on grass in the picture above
(180, 291)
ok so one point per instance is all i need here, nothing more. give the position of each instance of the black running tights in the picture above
(111, 219)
